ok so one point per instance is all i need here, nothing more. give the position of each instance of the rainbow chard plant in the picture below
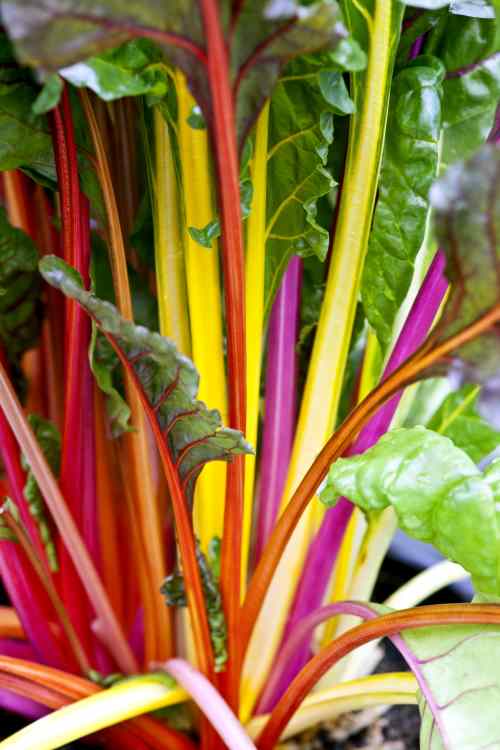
(249, 321)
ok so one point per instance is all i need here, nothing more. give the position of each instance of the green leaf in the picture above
(457, 667)
(473, 8)
(49, 440)
(438, 493)
(300, 133)
(409, 167)
(205, 235)
(20, 288)
(467, 220)
(175, 596)
(196, 119)
(132, 69)
(193, 434)
(457, 418)
(470, 52)
(49, 96)
(104, 364)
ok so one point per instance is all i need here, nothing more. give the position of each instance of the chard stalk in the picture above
(205, 305)
(137, 445)
(169, 251)
(225, 148)
(254, 319)
(326, 370)
(323, 551)
(281, 397)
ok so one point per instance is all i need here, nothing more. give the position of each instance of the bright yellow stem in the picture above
(326, 370)
(205, 309)
(254, 296)
(169, 250)
(125, 701)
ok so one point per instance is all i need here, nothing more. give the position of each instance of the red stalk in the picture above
(380, 627)
(226, 154)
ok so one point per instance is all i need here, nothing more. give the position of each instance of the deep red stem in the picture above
(223, 131)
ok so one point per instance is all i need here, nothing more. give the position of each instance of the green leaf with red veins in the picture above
(193, 434)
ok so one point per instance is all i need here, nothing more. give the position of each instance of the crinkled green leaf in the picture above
(6, 534)
(458, 419)
(20, 288)
(132, 69)
(470, 51)
(205, 235)
(438, 493)
(175, 596)
(49, 96)
(104, 364)
(409, 167)
(49, 440)
(467, 219)
(192, 432)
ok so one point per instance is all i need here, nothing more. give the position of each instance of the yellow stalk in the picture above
(398, 688)
(104, 709)
(169, 251)
(254, 296)
(205, 308)
(157, 630)
(326, 370)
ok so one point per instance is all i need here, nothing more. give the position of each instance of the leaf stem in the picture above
(223, 133)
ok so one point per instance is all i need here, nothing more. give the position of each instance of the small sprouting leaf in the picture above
(175, 596)
(409, 167)
(466, 202)
(50, 442)
(133, 69)
(49, 96)
(196, 119)
(438, 493)
(205, 235)
(457, 418)
(6, 534)
(20, 289)
(193, 434)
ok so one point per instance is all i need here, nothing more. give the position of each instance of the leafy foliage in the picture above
(175, 596)
(437, 492)
(467, 209)
(50, 442)
(409, 167)
(20, 288)
(193, 433)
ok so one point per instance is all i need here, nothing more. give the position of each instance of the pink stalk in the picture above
(211, 703)
(281, 400)
(324, 548)
(17, 704)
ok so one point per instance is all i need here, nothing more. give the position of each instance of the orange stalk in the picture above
(10, 625)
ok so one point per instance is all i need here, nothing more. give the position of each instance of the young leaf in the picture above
(409, 167)
(467, 219)
(50, 442)
(175, 596)
(49, 96)
(457, 418)
(193, 433)
(437, 492)
(133, 69)
(19, 291)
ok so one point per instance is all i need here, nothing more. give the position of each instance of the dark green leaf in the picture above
(437, 492)
(20, 288)
(467, 218)
(457, 418)
(409, 167)
(49, 440)
(333, 88)
(49, 96)
(193, 433)
(175, 595)
(132, 69)
(196, 119)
